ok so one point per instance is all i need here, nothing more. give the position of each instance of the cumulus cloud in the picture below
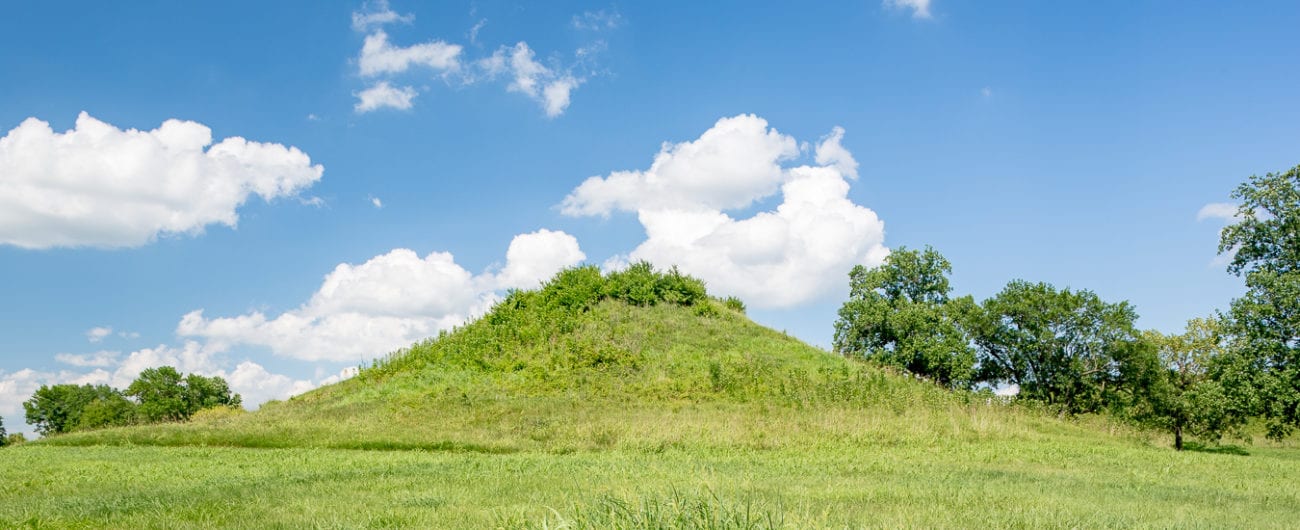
(830, 152)
(97, 185)
(377, 14)
(535, 257)
(784, 257)
(731, 165)
(919, 8)
(378, 56)
(383, 95)
(1226, 211)
(549, 87)
(390, 301)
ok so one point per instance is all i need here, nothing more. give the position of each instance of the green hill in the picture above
(634, 400)
(574, 367)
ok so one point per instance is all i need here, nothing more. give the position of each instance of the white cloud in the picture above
(1218, 210)
(597, 20)
(920, 8)
(364, 311)
(1007, 391)
(547, 86)
(97, 185)
(377, 14)
(473, 32)
(98, 333)
(374, 201)
(535, 257)
(97, 359)
(986, 92)
(794, 254)
(731, 165)
(830, 152)
(379, 57)
(384, 95)
(256, 385)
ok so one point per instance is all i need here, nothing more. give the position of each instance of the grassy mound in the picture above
(636, 359)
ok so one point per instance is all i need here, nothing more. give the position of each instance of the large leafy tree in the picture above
(4, 438)
(165, 395)
(900, 314)
(61, 408)
(1188, 398)
(1265, 247)
(1062, 347)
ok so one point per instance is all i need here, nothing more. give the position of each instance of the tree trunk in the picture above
(1178, 438)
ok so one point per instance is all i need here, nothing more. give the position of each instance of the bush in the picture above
(734, 304)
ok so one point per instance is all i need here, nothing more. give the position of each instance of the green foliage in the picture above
(900, 314)
(4, 438)
(1065, 348)
(1187, 398)
(734, 304)
(14, 439)
(164, 395)
(60, 408)
(111, 410)
(1266, 321)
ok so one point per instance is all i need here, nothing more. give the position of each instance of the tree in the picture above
(164, 395)
(60, 408)
(1265, 247)
(4, 438)
(159, 392)
(1188, 399)
(207, 392)
(900, 314)
(1062, 347)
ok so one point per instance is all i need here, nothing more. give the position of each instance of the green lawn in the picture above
(926, 483)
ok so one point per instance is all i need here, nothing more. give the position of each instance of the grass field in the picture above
(633, 417)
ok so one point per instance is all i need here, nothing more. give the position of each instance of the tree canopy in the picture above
(1265, 246)
(1062, 347)
(900, 314)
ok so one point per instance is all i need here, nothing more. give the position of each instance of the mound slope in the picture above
(633, 359)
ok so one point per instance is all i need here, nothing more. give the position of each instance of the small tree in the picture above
(4, 438)
(899, 314)
(1188, 399)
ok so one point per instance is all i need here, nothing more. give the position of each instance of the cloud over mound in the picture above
(783, 257)
(100, 186)
(390, 301)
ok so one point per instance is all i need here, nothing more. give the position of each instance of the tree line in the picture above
(1078, 353)
(156, 395)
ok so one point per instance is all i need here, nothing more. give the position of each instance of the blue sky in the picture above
(1074, 144)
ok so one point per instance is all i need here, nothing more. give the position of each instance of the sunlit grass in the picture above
(640, 418)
